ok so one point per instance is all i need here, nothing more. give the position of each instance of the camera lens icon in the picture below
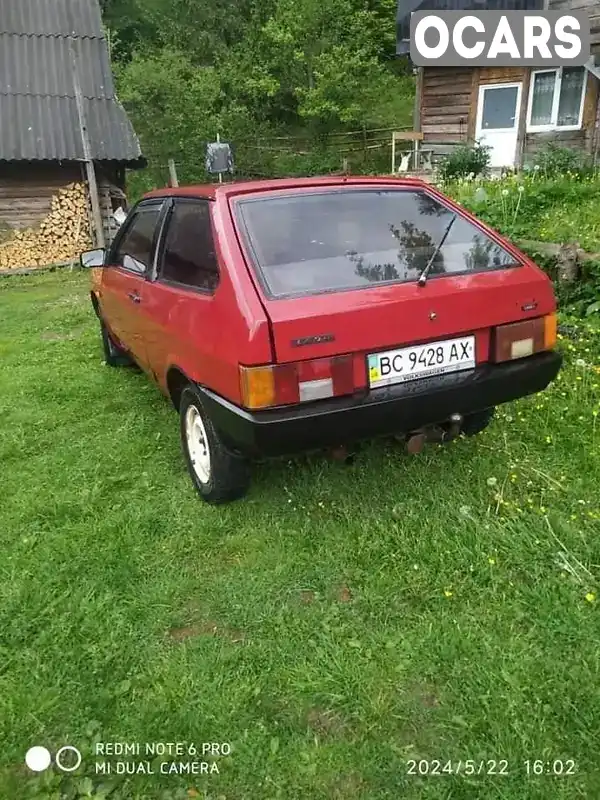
(38, 759)
(67, 759)
(60, 757)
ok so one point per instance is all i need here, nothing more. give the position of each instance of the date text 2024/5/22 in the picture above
(469, 767)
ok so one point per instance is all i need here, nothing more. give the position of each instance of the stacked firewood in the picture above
(60, 237)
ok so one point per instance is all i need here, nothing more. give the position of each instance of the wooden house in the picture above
(513, 110)
(60, 120)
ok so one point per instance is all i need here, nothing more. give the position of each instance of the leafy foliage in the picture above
(533, 207)
(583, 297)
(469, 160)
(254, 68)
(554, 160)
(548, 210)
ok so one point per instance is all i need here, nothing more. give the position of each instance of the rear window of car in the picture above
(338, 240)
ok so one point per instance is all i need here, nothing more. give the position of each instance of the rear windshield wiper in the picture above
(423, 276)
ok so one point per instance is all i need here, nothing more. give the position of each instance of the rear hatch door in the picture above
(398, 316)
(338, 272)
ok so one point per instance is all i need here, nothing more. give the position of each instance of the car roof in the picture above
(226, 190)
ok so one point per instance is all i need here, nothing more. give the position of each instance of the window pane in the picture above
(189, 256)
(499, 108)
(137, 242)
(351, 239)
(543, 96)
(571, 89)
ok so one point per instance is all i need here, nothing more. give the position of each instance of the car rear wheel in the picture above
(113, 354)
(218, 475)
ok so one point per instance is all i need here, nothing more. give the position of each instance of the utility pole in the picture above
(219, 142)
(87, 154)
(173, 174)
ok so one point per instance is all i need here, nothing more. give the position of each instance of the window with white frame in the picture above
(556, 99)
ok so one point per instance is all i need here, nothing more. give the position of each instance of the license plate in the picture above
(421, 361)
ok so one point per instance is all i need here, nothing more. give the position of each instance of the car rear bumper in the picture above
(391, 409)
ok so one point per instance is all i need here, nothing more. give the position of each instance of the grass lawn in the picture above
(557, 209)
(336, 625)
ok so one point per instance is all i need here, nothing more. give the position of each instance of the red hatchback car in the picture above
(290, 315)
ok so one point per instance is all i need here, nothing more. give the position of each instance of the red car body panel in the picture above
(203, 336)
(127, 322)
(207, 337)
(382, 317)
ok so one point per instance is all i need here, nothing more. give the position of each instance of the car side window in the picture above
(134, 250)
(189, 252)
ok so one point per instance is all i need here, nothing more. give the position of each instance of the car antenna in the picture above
(423, 276)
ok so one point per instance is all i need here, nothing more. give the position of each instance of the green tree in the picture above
(189, 68)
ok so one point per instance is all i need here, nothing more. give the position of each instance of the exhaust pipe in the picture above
(416, 441)
(456, 421)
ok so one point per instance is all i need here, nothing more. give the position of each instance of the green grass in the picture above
(556, 209)
(336, 624)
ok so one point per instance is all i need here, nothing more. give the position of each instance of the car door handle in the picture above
(134, 296)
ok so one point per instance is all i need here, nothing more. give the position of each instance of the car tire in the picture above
(477, 422)
(113, 354)
(218, 475)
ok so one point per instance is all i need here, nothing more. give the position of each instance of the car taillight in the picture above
(299, 382)
(521, 339)
(550, 331)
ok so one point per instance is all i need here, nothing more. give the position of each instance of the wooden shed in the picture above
(65, 139)
(513, 110)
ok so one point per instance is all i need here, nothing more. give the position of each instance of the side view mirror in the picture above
(92, 259)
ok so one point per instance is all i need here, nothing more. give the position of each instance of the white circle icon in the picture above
(38, 759)
(68, 749)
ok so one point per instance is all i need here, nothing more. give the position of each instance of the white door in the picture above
(498, 121)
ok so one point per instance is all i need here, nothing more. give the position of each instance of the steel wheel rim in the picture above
(197, 444)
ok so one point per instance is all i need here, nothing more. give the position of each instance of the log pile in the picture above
(61, 236)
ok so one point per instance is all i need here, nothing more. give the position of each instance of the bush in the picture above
(554, 160)
(469, 160)
(582, 298)
(559, 209)
(536, 208)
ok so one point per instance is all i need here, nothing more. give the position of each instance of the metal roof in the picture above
(43, 45)
(51, 17)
